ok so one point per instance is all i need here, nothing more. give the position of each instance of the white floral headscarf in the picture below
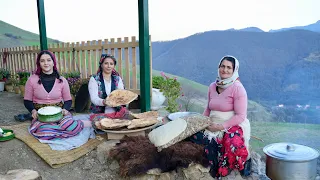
(224, 83)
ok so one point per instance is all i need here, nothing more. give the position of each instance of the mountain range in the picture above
(280, 66)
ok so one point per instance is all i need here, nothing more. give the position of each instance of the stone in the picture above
(144, 177)
(103, 150)
(114, 165)
(25, 174)
(165, 176)
(155, 171)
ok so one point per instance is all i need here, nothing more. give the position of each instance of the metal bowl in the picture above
(174, 116)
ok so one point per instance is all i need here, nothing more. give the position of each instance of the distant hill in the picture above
(278, 67)
(273, 66)
(315, 27)
(12, 36)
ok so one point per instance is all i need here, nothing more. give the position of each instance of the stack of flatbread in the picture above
(120, 97)
(107, 123)
(142, 120)
(147, 114)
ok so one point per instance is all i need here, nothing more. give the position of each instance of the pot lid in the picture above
(290, 152)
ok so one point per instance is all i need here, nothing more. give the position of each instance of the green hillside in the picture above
(11, 36)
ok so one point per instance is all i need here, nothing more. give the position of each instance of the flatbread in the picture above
(139, 123)
(148, 114)
(120, 97)
(107, 123)
(167, 132)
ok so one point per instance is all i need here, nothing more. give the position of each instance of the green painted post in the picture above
(42, 25)
(144, 53)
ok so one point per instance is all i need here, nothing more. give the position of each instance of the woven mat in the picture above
(55, 159)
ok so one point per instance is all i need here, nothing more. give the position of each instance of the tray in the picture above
(125, 131)
(7, 138)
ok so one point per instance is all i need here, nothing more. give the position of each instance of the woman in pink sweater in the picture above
(227, 139)
(47, 88)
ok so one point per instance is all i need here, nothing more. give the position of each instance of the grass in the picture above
(273, 132)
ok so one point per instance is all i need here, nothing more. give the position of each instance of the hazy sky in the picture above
(82, 20)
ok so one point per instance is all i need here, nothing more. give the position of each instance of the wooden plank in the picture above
(68, 59)
(83, 62)
(59, 59)
(104, 47)
(134, 65)
(23, 59)
(15, 68)
(99, 54)
(10, 63)
(76, 58)
(73, 58)
(63, 59)
(119, 59)
(127, 64)
(89, 60)
(112, 48)
(94, 58)
(34, 57)
(27, 59)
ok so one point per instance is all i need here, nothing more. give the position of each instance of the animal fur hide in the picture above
(136, 155)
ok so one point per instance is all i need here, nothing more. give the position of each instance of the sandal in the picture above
(23, 117)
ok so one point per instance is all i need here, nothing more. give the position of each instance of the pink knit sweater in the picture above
(36, 93)
(234, 98)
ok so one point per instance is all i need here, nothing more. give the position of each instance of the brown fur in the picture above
(136, 155)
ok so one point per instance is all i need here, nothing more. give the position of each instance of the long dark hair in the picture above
(55, 70)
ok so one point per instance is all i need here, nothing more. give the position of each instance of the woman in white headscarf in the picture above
(227, 139)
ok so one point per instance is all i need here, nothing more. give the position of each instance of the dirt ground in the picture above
(14, 154)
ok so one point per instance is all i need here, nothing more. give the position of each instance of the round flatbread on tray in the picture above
(148, 114)
(120, 97)
(140, 123)
(107, 123)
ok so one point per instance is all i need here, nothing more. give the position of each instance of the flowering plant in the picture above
(23, 76)
(73, 79)
(171, 89)
(4, 75)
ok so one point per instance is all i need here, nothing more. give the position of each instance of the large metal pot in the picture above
(287, 161)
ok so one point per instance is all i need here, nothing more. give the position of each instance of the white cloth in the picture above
(93, 91)
(224, 83)
(220, 117)
(75, 141)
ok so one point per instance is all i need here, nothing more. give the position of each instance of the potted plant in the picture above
(9, 85)
(23, 75)
(164, 87)
(74, 82)
(4, 76)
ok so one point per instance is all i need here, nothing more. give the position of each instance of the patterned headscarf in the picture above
(224, 83)
(102, 58)
(53, 57)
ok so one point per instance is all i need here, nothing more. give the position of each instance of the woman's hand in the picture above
(34, 114)
(65, 112)
(215, 127)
